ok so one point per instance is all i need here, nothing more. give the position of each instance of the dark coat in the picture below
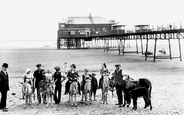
(94, 84)
(38, 74)
(4, 81)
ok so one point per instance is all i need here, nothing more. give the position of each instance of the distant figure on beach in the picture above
(38, 76)
(4, 87)
(58, 78)
(103, 71)
(72, 76)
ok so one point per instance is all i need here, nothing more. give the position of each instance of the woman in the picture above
(28, 77)
(103, 71)
(72, 76)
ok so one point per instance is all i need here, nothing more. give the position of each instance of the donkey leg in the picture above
(90, 94)
(86, 98)
(102, 94)
(51, 101)
(30, 98)
(106, 97)
(26, 102)
(71, 99)
(75, 100)
(82, 96)
(47, 98)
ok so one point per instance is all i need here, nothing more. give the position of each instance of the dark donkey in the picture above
(129, 84)
(142, 82)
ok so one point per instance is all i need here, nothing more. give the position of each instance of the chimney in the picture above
(89, 14)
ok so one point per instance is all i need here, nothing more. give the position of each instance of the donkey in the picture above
(87, 88)
(73, 93)
(140, 92)
(131, 84)
(27, 92)
(49, 91)
(112, 87)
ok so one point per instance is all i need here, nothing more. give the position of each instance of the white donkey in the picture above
(73, 93)
(105, 87)
(27, 92)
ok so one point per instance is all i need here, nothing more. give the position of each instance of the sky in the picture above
(25, 20)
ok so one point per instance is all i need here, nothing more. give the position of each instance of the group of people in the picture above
(58, 77)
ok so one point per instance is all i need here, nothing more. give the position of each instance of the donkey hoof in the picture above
(90, 103)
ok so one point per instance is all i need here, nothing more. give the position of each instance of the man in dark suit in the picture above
(4, 87)
(118, 77)
(58, 78)
(39, 76)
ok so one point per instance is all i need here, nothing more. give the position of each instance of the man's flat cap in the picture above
(38, 65)
(57, 68)
(117, 65)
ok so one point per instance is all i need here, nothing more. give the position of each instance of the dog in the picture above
(139, 92)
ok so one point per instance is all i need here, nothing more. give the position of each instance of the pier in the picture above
(99, 33)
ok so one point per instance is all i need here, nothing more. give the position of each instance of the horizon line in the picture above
(26, 40)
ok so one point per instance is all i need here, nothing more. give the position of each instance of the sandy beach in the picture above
(167, 78)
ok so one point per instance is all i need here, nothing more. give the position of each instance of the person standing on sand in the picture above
(118, 77)
(4, 87)
(58, 78)
(38, 76)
